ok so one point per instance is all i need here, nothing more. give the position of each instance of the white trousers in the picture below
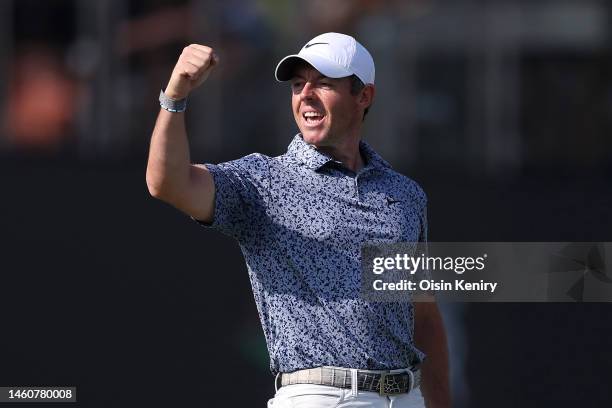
(322, 396)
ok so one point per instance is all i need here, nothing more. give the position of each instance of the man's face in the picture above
(324, 108)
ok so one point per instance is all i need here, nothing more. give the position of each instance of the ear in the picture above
(366, 97)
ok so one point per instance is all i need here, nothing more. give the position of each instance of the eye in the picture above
(297, 84)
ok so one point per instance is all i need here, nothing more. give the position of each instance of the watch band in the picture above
(172, 105)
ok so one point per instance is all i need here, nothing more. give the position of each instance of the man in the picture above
(301, 219)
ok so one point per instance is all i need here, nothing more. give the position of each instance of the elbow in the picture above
(161, 189)
(154, 190)
(155, 186)
(165, 188)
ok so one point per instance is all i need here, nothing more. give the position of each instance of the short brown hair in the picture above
(356, 86)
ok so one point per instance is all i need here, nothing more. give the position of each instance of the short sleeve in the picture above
(241, 191)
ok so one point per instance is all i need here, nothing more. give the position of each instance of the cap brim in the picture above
(284, 69)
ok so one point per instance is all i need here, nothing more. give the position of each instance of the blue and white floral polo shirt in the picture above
(301, 219)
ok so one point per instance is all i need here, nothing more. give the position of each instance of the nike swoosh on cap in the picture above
(310, 45)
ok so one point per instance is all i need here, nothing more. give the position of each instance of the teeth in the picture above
(311, 114)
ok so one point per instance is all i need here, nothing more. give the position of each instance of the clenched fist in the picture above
(191, 70)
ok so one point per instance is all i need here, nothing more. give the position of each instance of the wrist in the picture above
(171, 103)
(173, 94)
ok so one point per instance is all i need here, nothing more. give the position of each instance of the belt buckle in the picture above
(383, 379)
(381, 385)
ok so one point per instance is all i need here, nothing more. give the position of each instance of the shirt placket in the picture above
(354, 185)
(359, 185)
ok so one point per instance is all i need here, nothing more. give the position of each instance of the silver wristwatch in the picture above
(172, 105)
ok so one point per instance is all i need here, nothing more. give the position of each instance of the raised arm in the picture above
(170, 175)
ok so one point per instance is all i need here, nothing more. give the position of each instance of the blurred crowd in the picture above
(495, 87)
(84, 76)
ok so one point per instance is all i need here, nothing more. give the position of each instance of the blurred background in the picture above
(501, 110)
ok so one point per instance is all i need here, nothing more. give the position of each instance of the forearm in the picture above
(169, 171)
(431, 339)
(168, 167)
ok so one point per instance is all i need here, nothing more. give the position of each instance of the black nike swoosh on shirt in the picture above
(391, 200)
(310, 45)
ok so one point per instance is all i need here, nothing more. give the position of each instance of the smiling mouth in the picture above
(313, 118)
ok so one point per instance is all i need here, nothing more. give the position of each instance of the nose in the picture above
(307, 91)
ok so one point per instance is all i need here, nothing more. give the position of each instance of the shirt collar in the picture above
(313, 159)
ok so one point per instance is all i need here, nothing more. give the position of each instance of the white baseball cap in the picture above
(334, 55)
